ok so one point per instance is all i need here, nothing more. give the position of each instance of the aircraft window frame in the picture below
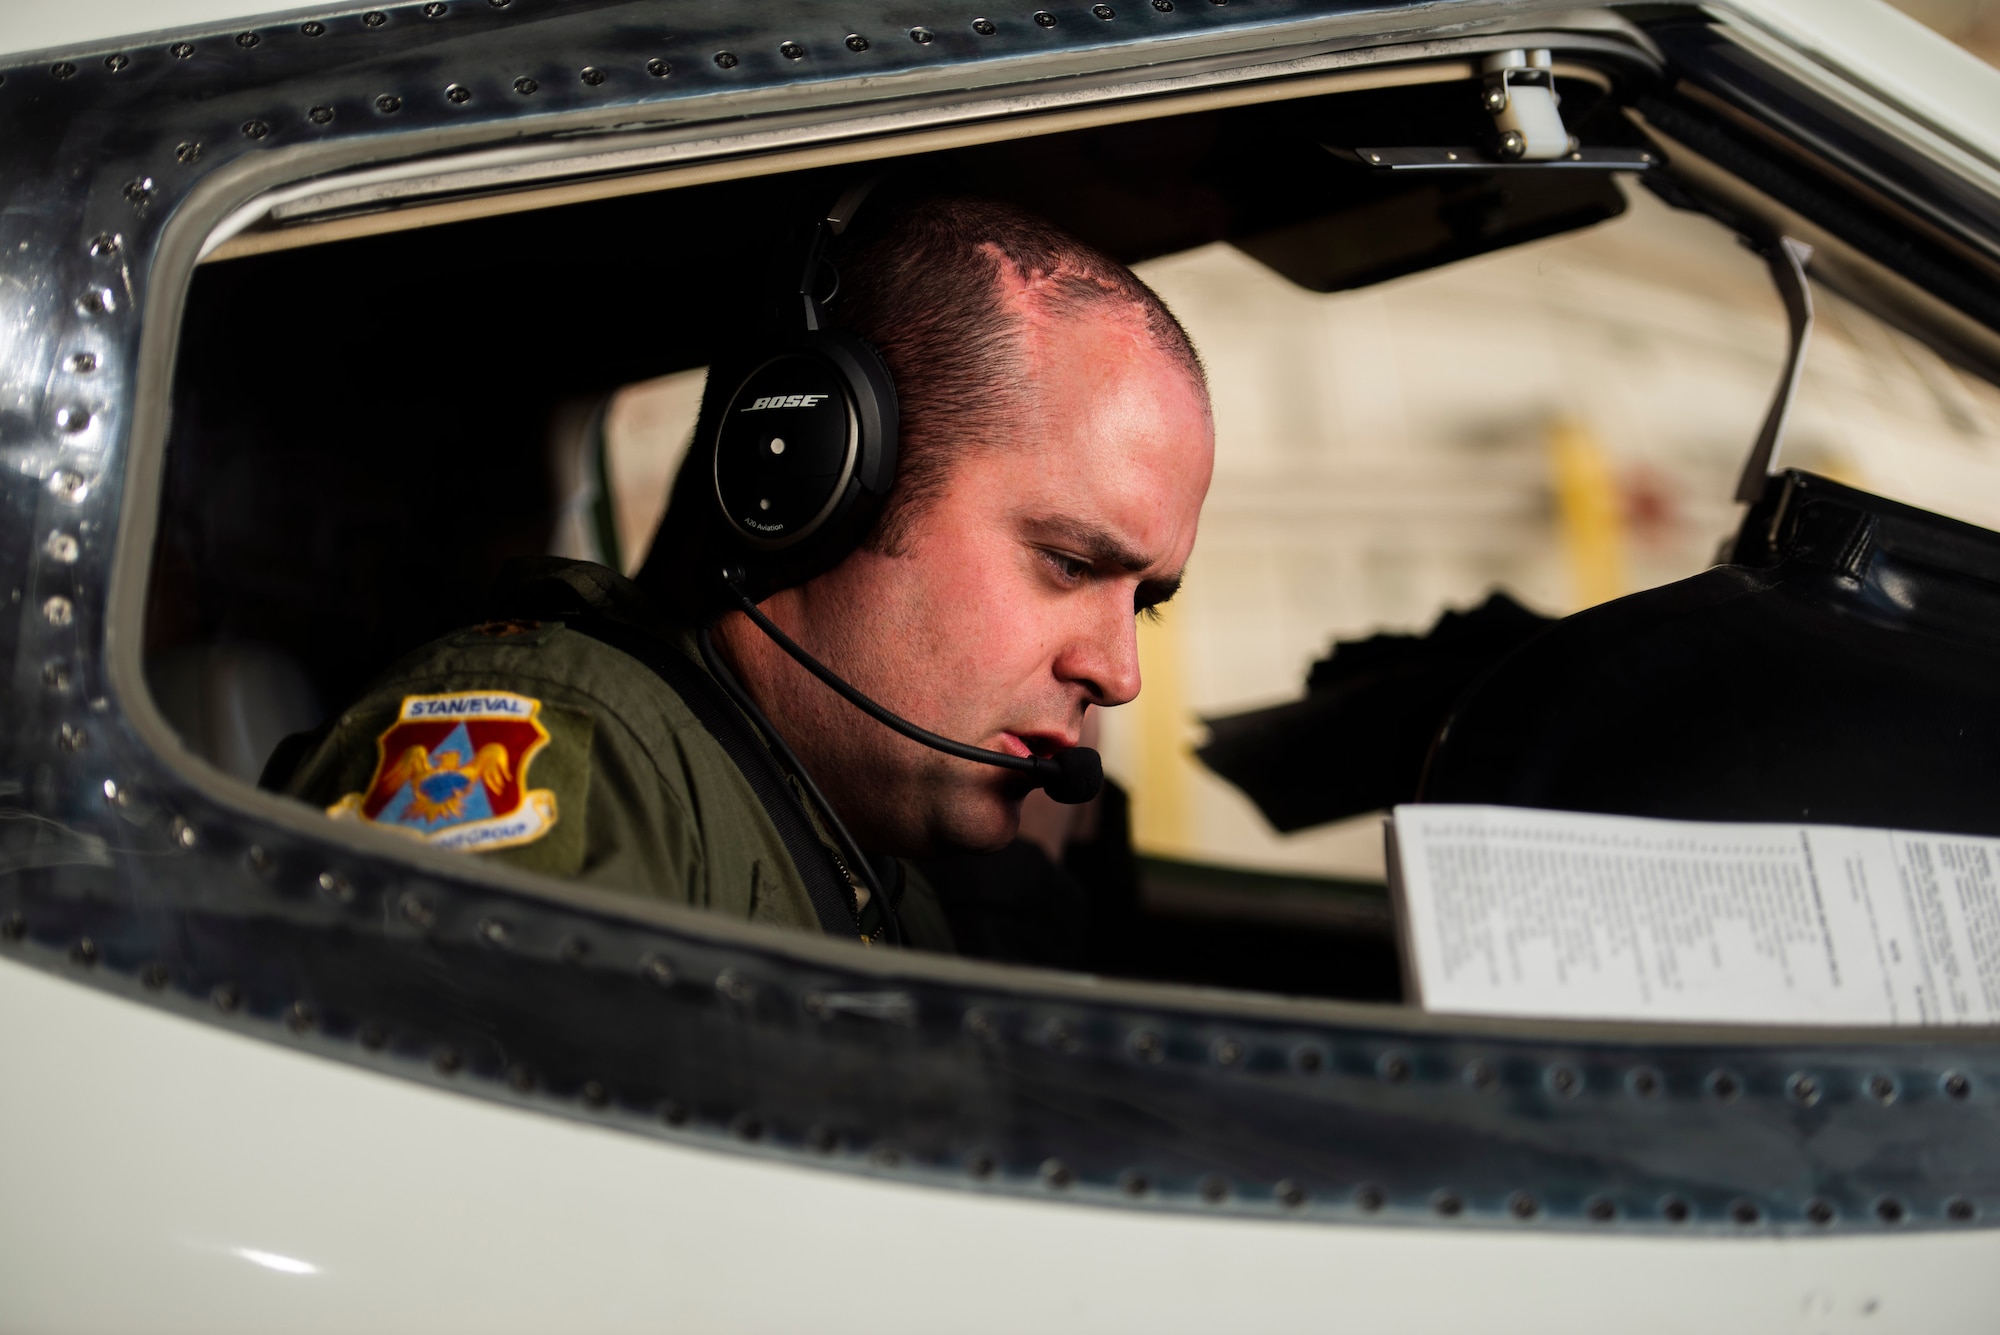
(997, 1064)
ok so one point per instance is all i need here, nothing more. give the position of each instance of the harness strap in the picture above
(832, 898)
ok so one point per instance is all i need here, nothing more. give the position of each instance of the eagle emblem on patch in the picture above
(453, 769)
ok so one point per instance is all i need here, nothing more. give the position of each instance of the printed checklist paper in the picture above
(1509, 911)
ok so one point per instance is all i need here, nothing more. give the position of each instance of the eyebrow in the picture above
(1101, 548)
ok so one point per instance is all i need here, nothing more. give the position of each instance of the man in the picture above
(1056, 444)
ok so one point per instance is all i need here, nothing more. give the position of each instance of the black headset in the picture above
(802, 452)
(803, 446)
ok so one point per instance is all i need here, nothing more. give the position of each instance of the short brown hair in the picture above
(946, 291)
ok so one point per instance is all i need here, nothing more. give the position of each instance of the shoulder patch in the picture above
(453, 770)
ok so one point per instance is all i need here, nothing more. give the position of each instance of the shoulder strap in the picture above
(832, 898)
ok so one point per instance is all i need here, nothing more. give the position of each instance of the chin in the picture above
(983, 822)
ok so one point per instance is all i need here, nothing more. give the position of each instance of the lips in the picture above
(1036, 743)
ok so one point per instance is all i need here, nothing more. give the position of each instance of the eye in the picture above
(1069, 568)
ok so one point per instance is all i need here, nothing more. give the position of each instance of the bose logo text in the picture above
(787, 401)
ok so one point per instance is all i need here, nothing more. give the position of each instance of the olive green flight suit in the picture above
(628, 791)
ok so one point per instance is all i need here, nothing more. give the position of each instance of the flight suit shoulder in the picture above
(548, 749)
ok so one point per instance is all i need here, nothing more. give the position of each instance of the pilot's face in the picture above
(1009, 606)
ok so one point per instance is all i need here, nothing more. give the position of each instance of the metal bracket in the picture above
(1521, 95)
(1787, 259)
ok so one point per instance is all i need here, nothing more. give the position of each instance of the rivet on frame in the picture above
(1105, 12)
(980, 1025)
(656, 970)
(1369, 1199)
(1061, 1036)
(259, 860)
(1565, 1081)
(457, 93)
(447, 1061)
(791, 51)
(84, 952)
(1164, 6)
(726, 60)
(182, 50)
(673, 1112)
(62, 548)
(1745, 1213)
(855, 42)
(1394, 1068)
(591, 75)
(1960, 1210)
(520, 1079)
(1724, 1086)
(1820, 1212)
(822, 1138)
(748, 1126)
(1146, 1045)
(72, 419)
(1448, 1203)
(255, 129)
(1675, 1210)
(373, 1035)
(227, 997)
(884, 1157)
(63, 69)
(139, 191)
(1600, 1210)
(336, 887)
(117, 61)
(493, 932)
(572, 950)
(434, 10)
(1882, 1089)
(188, 151)
(922, 36)
(524, 85)
(374, 18)
(1890, 1210)
(97, 301)
(183, 833)
(1056, 1173)
(1480, 1075)
(70, 737)
(1044, 19)
(735, 987)
(111, 790)
(980, 1165)
(985, 27)
(1214, 1189)
(1226, 1051)
(69, 485)
(320, 115)
(499, 4)
(1955, 1085)
(313, 29)
(1523, 1206)
(1803, 1090)
(154, 977)
(55, 675)
(388, 104)
(658, 68)
(1135, 1184)
(104, 244)
(246, 40)
(58, 611)
(594, 1094)
(13, 926)
(301, 1017)
(417, 910)
(1644, 1082)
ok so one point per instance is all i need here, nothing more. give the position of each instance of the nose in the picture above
(1102, 655)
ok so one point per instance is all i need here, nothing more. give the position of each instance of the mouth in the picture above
(1035, 743)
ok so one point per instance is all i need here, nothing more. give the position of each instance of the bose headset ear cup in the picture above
(802, 450)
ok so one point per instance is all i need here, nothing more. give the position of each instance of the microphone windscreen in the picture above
(1078, 775)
